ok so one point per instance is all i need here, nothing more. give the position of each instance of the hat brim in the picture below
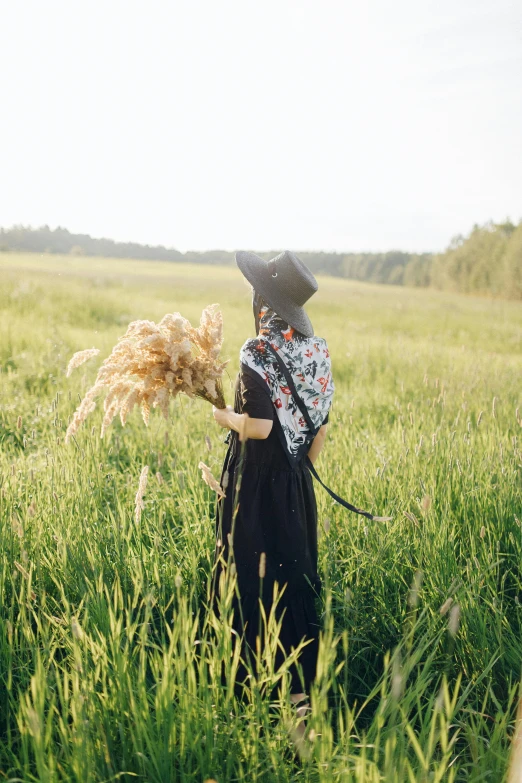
(255, 269)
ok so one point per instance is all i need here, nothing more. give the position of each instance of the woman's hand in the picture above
(221, 415)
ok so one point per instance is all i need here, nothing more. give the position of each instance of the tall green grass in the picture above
(111, 667)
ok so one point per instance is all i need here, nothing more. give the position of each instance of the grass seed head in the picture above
(80, 357)
(413, 597)
(426, 503)
(445, 606)
(139, 505)
(76, 629)
(209, 479)
(454, 620)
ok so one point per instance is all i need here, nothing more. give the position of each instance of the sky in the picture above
(269, 125)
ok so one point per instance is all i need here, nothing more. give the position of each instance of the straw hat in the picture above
(284, 282)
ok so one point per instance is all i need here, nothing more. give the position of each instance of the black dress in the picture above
(276, 513)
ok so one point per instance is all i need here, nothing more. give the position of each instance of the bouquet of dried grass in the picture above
(152, 363)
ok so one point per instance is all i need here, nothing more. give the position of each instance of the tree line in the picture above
(486, 261)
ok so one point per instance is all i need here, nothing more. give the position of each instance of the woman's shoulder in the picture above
(317, 338)
(249, 344)
(251, 349)
(318, 345)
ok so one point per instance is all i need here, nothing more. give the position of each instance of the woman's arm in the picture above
(257, 429)
(317, 444)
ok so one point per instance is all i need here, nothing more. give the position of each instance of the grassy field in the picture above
(110, 665)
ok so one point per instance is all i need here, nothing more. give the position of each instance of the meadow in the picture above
(110, 665)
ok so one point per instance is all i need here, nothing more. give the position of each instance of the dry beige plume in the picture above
(139, 505)
(152, 363)
(209, 479)
(79, 358)
(515, 765)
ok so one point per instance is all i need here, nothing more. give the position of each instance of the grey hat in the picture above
(284, 282)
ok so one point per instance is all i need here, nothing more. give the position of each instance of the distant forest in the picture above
(487, 261)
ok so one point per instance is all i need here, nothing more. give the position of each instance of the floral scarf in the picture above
(308, 362)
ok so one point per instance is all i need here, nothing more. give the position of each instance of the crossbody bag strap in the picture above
(304, 410)
(291, 385)
(341, 500)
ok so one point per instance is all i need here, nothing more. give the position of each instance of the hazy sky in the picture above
(309, 124)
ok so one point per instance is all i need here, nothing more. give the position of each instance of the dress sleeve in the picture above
(255, 397)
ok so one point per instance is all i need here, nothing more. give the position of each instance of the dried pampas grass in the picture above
(208, 478)
(152, 363)
(79, 358)
(139, 505)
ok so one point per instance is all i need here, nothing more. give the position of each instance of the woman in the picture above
(285, 387)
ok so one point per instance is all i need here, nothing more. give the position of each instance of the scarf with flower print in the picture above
(308, 362)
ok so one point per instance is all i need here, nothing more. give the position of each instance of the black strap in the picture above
(291, 385)
(314, 430)
(335, 496)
